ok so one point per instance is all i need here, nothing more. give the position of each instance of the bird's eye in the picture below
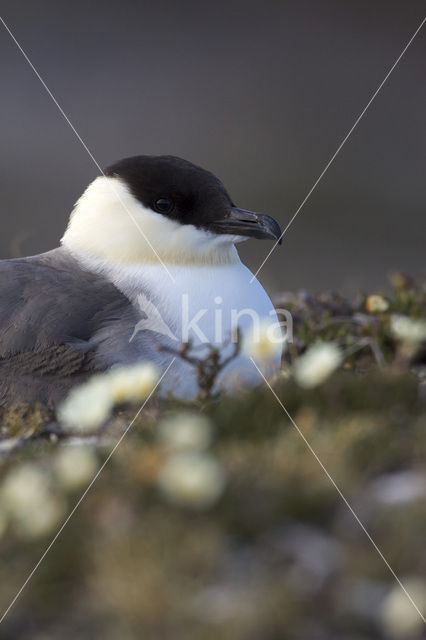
(163, 205)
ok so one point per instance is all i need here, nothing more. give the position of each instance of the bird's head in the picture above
(149, 207)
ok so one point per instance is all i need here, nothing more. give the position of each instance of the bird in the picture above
(148, 259)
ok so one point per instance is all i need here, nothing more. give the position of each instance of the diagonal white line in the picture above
(80, 500)
(342, 496)
(339, 148)
(66, 118)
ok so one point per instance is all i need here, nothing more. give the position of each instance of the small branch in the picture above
(207, 368)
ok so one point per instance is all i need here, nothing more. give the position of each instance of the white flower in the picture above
(376, 303)
(192, 480)
(185, 431)
(87, 406)
(132, 383)
(408, 330)
(32, 506)
(263, 343)
(23, 486)
(398, 616)
(75, 466)
(37, 522)
(317, 364)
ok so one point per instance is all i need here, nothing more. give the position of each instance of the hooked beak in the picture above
(249, 224)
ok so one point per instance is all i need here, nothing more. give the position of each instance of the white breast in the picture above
(202, 294)
(203, 304)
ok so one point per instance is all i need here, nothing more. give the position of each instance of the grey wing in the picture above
(51, 312)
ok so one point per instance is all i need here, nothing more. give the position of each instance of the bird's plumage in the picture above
(59, 323)
(73, 311)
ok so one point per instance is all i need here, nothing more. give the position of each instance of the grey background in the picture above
(260, 93)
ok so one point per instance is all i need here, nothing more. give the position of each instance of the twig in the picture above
(207, 368)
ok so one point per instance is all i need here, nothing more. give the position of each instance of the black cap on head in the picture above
(189, 194)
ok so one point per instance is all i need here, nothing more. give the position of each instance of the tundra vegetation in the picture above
(215, 519)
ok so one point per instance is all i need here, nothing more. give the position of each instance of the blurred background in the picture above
(260, 93)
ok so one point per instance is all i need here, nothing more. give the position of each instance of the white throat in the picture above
(109, 224)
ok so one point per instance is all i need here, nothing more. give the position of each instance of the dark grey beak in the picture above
(240, 222)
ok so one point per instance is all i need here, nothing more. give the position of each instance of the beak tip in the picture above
(250, 224)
